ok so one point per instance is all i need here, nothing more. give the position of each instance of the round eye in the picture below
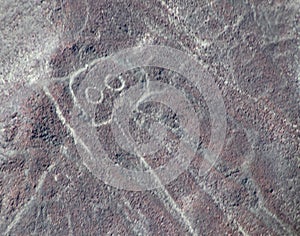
(93, 95)
(115, 83)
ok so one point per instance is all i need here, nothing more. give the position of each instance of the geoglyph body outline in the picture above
(95, 158)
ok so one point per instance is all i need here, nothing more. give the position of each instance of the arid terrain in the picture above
(243, 178)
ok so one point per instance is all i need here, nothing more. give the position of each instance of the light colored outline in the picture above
(164, 57)
(87, 95)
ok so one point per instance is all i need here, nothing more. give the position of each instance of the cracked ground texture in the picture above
(251, 50)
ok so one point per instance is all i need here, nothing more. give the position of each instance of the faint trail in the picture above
(167, 197)
(87, 12)
(76, 32)
(265, 214)
(138, 227)
(27, 206)
(62, 118)
(71, 233)
(74, 74)
(122, 206)
(171, 204)
(176, 20)
(262, 214)
(262, 210)
(19, 215)
(215, 199)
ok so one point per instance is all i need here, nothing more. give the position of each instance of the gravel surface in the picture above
(155, 117)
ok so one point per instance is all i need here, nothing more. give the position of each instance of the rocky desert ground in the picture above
(158, 117)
